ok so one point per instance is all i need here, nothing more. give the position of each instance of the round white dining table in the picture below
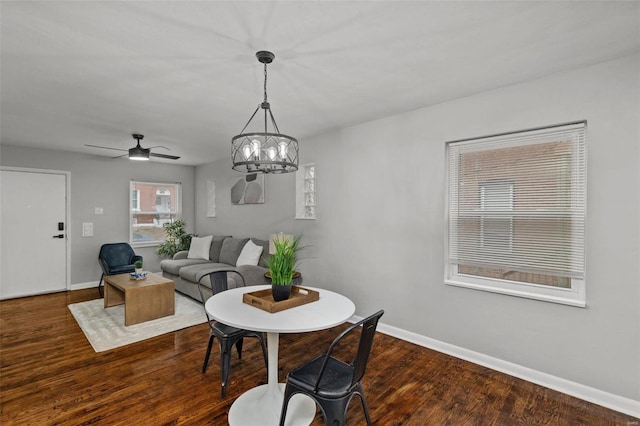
(262, 404)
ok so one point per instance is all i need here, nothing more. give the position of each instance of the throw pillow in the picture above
(265, 251)
(231, 248)
(250, 254)
(199, 248)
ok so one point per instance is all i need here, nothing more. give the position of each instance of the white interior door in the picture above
(33, 248)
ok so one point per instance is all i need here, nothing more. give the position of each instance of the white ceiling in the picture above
(184, 73)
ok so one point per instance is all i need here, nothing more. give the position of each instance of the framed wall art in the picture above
(248, 189)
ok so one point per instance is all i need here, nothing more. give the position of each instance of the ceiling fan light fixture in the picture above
(139, 154)
(264, 152)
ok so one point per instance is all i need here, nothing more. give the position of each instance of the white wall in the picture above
(102, 182)
(248, 220)
(380, 234)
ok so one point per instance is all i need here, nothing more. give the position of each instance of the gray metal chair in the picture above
(227, 336)
(332, 383)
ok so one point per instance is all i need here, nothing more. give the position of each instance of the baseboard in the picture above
(80, 286)
(90, 284)
(586, 393)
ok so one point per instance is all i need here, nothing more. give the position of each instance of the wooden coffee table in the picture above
(144, 300)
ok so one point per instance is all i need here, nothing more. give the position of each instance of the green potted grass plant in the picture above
(282, 264)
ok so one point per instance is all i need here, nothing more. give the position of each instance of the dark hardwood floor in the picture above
(49, 374)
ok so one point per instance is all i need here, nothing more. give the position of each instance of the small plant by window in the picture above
(177, 239)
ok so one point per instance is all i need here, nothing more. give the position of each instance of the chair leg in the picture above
(225, 365)
(335, 411)
(100, 291)
(264, 352)
(288, 393)
(206, 356)
(239, 347)
(360, 393)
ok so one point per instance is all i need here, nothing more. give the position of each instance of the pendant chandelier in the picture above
(264, 152)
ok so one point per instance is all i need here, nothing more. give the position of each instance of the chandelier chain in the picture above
(265, 82)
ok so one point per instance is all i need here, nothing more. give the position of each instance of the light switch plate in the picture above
(87, 229)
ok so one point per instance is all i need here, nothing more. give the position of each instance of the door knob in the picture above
(59, 236)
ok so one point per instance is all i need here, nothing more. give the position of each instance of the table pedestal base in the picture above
(262, 406)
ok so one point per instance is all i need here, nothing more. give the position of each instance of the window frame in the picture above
(303, 194)
(176, 210)
(137, 199)
(573, 296)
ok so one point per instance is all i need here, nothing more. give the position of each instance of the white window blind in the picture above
(516, 209)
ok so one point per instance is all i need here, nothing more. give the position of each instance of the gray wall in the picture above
(102, 182)
(379, 236)
(249, 220)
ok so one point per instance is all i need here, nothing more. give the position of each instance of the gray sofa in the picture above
(223, 254)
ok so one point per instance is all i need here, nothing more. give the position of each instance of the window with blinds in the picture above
(152, 205)
(516, 207)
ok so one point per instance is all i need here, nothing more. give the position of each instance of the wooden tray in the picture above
(263, 299)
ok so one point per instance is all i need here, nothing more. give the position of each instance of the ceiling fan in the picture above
(138, 152)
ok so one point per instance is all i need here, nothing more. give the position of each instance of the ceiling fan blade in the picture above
(105, 147)
(159, 146)
(170, 157)
(120, 156)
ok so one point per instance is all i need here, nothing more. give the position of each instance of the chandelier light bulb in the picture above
(255, 148)
(283, 150)
(271, 152)
(246, 150)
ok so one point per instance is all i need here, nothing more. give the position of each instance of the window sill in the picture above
(554, 295)
(146, 244)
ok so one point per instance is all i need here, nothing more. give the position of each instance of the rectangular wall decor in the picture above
(211, 198)
(248, 189)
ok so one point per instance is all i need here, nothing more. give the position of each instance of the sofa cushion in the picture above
(231, 249)
(265, 251)
(194, 272)
(199, 248)
(216, 246)
(174, 266)
(250, 254)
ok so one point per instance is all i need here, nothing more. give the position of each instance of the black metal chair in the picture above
(227, 335)
(331, 382)
(116, 258)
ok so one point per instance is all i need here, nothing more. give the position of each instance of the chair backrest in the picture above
(217, 283)
(361, 358)
(116, 254)
(369, 326)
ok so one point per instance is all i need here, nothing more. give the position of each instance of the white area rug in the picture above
(104, 328)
